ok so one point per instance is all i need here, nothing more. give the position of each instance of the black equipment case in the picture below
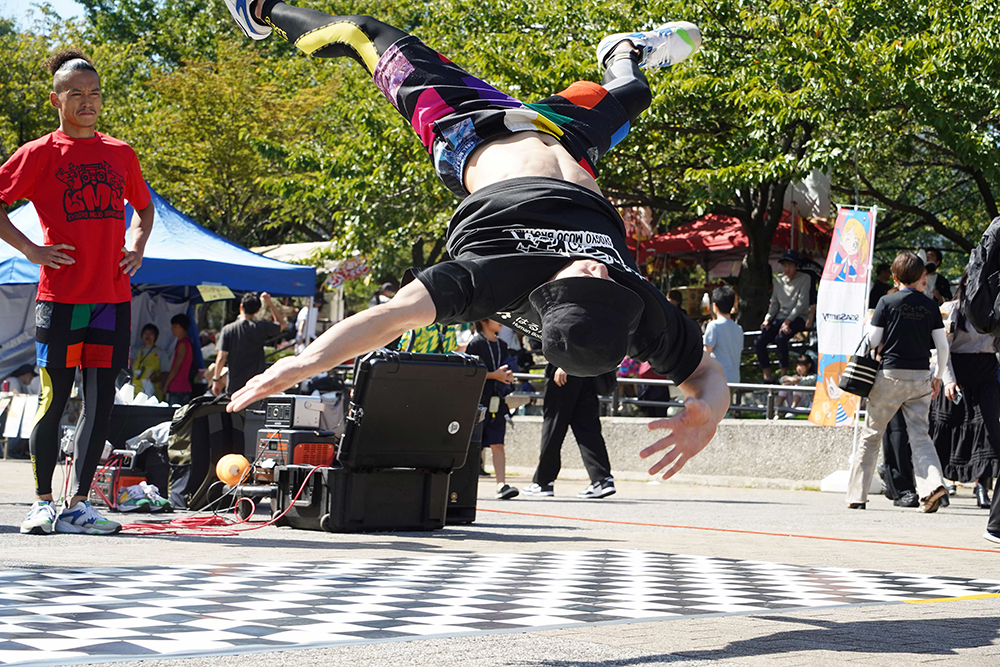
(463, 484)
(409, 424)
(411, 410)
(339, 500)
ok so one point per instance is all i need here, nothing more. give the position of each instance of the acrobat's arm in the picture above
(370, 329)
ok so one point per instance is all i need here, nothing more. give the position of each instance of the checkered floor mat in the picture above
(90, 615)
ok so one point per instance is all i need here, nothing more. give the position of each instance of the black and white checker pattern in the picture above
(89, 615)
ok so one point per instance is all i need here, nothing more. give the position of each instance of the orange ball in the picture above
(232, 469)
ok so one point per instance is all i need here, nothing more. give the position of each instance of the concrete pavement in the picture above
(803, 528)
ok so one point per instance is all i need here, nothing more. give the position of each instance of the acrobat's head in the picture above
(587, 318)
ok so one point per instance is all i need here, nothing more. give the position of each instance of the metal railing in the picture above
(770, 409)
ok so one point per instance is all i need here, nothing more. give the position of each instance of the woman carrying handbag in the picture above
(907, 325)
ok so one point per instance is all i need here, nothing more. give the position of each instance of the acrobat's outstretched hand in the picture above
(285, 373)
(690, 432)
(694, 427)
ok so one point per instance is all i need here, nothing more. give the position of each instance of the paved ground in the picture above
(667, 518)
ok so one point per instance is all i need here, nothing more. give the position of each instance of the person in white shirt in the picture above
(24, 380)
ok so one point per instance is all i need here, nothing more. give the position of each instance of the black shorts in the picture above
(85, 335)
(494, 428)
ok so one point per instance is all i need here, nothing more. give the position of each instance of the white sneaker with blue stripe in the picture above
(83, 518)
(41, 518)
(665, 46)
(242, 12)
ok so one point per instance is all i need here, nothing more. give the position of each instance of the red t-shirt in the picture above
(78, 187)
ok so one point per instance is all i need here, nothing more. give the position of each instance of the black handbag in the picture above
(859, 376)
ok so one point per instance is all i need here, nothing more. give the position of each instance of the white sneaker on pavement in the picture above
(83, 518)
(41, 518)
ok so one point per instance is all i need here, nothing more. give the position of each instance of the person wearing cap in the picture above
(78, 180)
(24, 380)
(385, 292)
(785, 314)
(534, 245)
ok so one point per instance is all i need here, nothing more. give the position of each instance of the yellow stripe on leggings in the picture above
(45, 399)
(340, 33)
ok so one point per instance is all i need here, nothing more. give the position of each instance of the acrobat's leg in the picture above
(316, 33)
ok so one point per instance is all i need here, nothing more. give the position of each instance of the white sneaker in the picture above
(601, 489)
(157, 503)
(132, 499)
(41, 518)
(665, 46)
(248, 23)
(992, 537)
(538, 490)
(83, 518)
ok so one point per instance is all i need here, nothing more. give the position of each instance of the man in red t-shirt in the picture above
(78, 180)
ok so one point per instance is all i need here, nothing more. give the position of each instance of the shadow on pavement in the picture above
(937, 636)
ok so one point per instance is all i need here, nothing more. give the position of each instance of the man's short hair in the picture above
(250, 303)
(724, 298)
(880, 267)
(67, 61)
(152, 327)
(907, 268)
(675, 295)
(183, 320)
(936, 251)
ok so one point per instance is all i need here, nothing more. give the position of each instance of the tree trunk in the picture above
(754, 285)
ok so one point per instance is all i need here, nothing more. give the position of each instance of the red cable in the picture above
(215, 524)
(747, 532)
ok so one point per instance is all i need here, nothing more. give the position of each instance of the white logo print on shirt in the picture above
(591, 245)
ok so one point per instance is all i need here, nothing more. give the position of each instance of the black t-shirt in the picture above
(908, 318)
(510, 237)
(491, 353)
(879, 290)
(243, 341)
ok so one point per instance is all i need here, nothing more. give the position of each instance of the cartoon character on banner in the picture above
(848, 262)
(832, 406)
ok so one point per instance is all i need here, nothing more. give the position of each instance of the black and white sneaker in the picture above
(602, 489)
(539, 490)
(992, 537)
(506, 492)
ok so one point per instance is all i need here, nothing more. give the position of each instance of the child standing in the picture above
(492, 351)
(146, 365)
(179, 379)
(723, 337)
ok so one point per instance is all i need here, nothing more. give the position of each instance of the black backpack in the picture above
(982, 289)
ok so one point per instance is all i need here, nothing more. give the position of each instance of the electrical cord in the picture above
(214, 524)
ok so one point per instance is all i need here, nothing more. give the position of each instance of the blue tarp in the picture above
(180, 254)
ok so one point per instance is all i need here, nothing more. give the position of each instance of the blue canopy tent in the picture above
(180, 255)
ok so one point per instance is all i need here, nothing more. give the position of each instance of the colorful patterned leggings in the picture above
(452, 111)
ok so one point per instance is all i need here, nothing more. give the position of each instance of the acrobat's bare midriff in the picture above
(524, 154)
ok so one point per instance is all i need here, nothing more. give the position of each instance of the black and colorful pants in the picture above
(452, 111)
(94, 337)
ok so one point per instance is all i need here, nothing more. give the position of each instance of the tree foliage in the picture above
(897, 101)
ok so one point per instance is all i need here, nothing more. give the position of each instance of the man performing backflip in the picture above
(77, 179)
(534, 245)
